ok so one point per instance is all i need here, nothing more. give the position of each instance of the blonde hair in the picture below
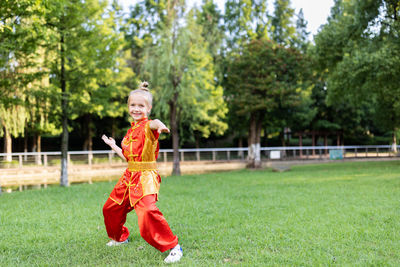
(144, 90)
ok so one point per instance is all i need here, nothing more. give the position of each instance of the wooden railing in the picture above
(35, 169)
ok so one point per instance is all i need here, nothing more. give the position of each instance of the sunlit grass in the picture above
(342, 214)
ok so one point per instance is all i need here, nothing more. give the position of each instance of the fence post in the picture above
(182, 156)
(366, 152)
(20, 160)
(45, 159)
(198, 155)
(110, 156)
(165, 156)
(90, 158)
(228, 154)
(213, 155)
(355, 153)
(69, 158)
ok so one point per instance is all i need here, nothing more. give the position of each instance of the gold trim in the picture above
(136, 166)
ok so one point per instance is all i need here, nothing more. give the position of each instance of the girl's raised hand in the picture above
(163, 129)
(108, 140)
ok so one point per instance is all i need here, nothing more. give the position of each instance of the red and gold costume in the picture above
(138, 189)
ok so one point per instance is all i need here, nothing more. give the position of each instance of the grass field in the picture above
(338, 214)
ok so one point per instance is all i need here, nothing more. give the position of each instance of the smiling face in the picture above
(138, 106)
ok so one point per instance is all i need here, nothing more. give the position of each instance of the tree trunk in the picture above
(88, 143)
(197, 140)
(254, 157)
(7, 145)
(282, 136)
(64, 107)
(25, 145)
(176, 169)
(38, 142)
(313, 142)
(240, 145)
(394, 141)
(301, 144)
(113, 128)
(283, 142)
(338, 139)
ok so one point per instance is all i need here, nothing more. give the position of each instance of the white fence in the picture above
(201, 154)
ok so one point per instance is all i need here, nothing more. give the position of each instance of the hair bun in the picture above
(144, 86)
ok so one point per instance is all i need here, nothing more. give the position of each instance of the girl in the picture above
(138, 187)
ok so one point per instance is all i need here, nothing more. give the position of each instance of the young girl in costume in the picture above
(138, 187)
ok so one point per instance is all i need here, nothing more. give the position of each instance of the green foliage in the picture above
(245, 20)
(95, 70)
(358, 50)
(282, 28)
(20, 34)
(180, 65)
(343, 214)
(265, 77)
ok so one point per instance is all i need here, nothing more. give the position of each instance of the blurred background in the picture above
(223, 73)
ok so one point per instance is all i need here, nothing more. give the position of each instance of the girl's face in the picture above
(138, 107)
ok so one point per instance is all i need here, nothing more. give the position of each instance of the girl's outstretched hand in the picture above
(163, 129)
(159, 126)
(108, 140)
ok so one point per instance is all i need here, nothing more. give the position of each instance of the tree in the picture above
(359, 49)
(244, 21)
(20, 32)
(181, 71)
(265, 67)
(263, 79)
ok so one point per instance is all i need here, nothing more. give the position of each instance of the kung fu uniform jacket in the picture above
(140, 148)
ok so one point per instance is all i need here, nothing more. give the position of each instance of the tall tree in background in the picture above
(267, 76)
(293, 113)
(359, 49)
(263, 79)
(65, 19)
(244, 21)
(182, 74)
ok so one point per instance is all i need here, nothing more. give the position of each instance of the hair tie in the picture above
(144, 86)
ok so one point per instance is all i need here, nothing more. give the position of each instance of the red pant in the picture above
(152, 224)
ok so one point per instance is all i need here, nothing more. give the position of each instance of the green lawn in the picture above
(338, 214)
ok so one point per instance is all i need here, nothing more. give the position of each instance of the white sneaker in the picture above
(174, 255)
(112, 243)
